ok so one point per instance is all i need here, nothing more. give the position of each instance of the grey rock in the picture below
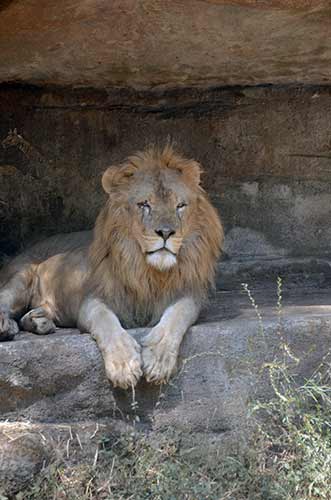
(22, 456)
(61, 377)
(55, 378)
(27, 448)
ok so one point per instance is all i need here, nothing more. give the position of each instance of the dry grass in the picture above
(289, 457)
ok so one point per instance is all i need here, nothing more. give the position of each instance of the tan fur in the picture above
(126, 274)
(196, 267)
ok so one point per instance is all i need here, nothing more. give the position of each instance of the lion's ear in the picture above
(192, 172)
(116, 175)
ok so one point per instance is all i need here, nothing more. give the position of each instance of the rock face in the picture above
(265, 154)
(75, 388)
(61, 377)
(165, 43)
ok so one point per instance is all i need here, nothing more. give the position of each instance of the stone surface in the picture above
(22, 456)
(165, 43)
(265, 153)
(61, 377)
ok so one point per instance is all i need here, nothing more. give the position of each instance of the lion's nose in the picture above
(165, 232)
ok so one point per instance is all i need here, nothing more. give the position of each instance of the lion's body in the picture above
(55, 271)
(121, 272)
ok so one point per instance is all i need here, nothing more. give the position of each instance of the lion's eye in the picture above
(144, 205)
(182, 205)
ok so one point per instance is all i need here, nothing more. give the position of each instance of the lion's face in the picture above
(160, 202)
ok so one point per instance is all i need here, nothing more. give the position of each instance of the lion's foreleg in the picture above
(14, 299)
(161, 345)
(121, 353)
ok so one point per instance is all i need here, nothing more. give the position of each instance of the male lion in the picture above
(149, 261)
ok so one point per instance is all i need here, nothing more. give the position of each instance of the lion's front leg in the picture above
(121, 353)
(161, 345)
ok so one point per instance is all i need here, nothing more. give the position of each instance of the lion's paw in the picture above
(8, 327)
(159, 356)
(123, 361)
(36, 321)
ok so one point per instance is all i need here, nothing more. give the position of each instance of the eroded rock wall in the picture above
(266, 153)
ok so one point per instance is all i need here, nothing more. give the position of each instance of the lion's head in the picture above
(160, 193)
(158, 223)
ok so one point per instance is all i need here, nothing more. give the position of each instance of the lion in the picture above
(149, 262)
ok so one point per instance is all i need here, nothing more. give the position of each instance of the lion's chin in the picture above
(161, 260)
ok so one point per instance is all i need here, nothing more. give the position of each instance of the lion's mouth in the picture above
(161, 250)
(162, 258)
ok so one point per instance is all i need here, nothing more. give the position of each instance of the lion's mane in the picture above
(119, 269)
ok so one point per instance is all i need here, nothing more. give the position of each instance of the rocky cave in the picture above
(242, 86)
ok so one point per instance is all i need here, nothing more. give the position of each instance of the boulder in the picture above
(22, 455)
(27, 449)
(61, 377)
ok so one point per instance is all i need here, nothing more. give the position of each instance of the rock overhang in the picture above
(165, 44)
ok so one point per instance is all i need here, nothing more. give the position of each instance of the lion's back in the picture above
(59, 243)
(43, 250)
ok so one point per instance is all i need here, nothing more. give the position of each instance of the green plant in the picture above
(295, 424)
